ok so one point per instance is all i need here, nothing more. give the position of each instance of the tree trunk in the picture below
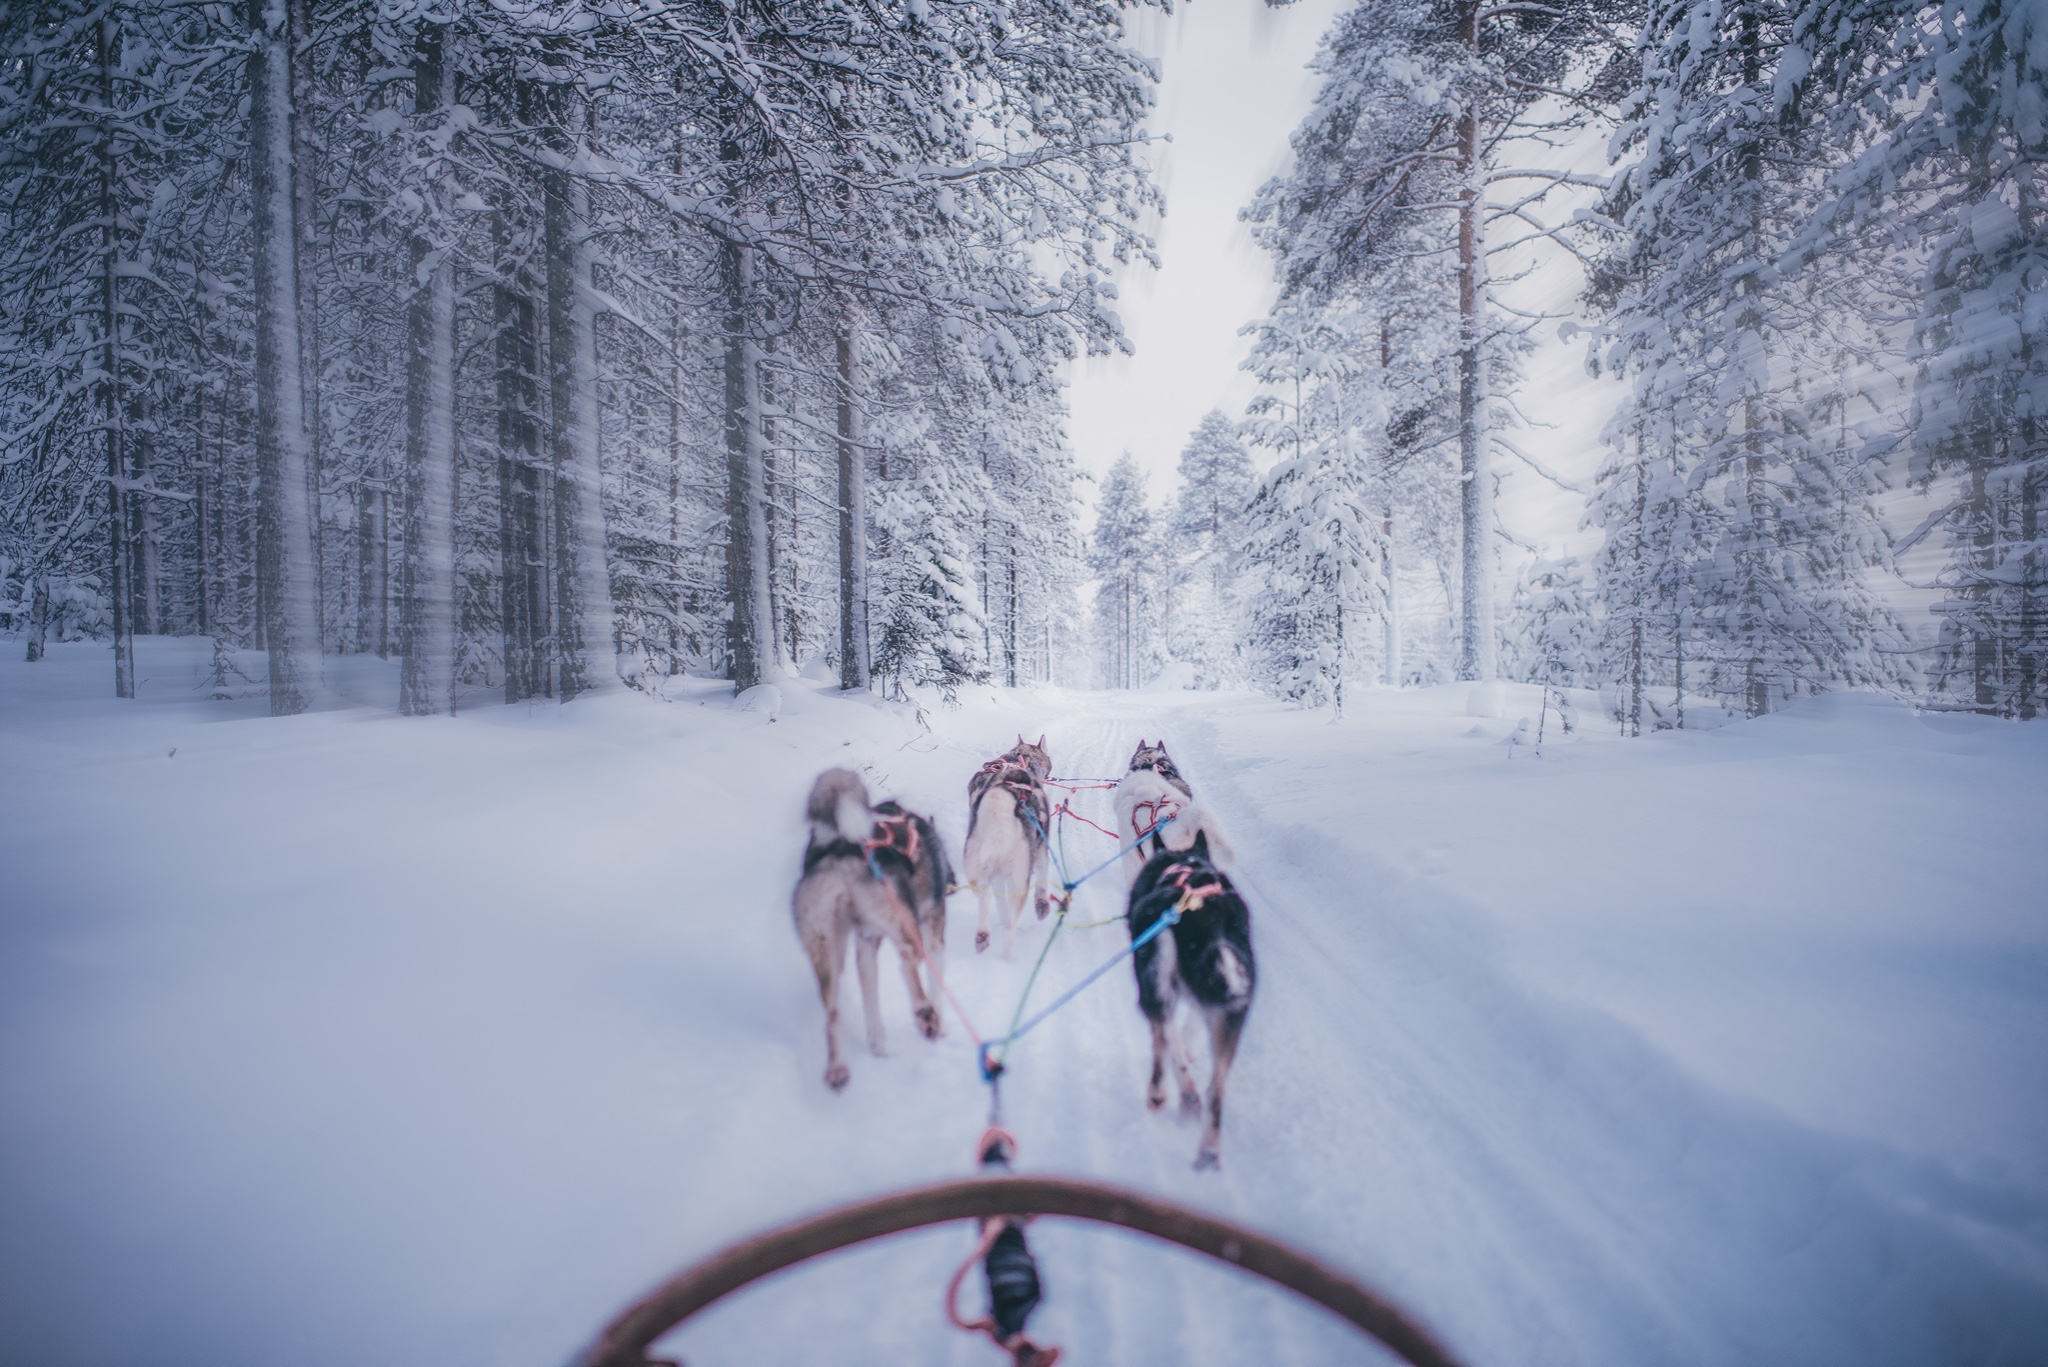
(284, 458)
(373, 560)
(39, 601)
(305, 193)
(751, 634)
(426, 594)
(853, 530)
(202, 511)
(120, 568)
(1639, 593)
(522, 543)
(1393, 674)
(585, 649)
(144, 551)
(773, 551)
(1476, 646)
(1678, 664)
(679, 380)
(1339, 699)
(39, 616)
(1010, 616)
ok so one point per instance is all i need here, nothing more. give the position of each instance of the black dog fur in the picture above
(1206, 958)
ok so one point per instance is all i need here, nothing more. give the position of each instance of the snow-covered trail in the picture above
(349, 1039)
(1074, 1097)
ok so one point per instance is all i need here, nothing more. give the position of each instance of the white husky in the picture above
(1005, 858)
(1157, 814)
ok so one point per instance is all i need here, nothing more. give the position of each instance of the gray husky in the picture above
(872, 873)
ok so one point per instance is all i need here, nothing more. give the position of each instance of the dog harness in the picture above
(893, 835)
(1192, 894)
(1154, 814)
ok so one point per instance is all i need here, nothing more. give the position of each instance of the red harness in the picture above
(897, 834)
(1155, 814)
(1191, 898)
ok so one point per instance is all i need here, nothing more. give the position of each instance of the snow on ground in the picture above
(349, 1039)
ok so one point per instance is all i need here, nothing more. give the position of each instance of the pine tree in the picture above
(1216, 482)
(1941, 107)
(1124, 553)
(1742, 539)
(1424, 108)
(1316, 555)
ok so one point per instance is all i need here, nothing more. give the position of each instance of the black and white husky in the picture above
(1005, 858)
(1156, 810)
(870, 873)
(1205, 959)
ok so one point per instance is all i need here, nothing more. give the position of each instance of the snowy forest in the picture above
(537, 345)
(536, 538)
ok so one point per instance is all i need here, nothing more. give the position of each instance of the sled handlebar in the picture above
(625, 1341)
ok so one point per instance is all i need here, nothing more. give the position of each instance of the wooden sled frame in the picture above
(625, 1341)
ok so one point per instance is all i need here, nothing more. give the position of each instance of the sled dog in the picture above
(1022, 755)
(1206, 959)
(1008, 817)
(1151, 793)
(872, 873)
(1154, 758)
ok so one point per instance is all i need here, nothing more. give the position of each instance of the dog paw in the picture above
(1155, 1097)
(980, 941)
(1044, 905)
(928, 1021)
(837, 1075)
(1207, 1161)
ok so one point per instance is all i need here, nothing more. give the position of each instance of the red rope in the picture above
(1064, 810)
(961, 1012)
(990, 1231)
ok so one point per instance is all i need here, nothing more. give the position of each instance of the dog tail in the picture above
(838, 808)
(1194, 820)
(1237, 978)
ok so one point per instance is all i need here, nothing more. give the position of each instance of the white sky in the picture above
(1233, 90)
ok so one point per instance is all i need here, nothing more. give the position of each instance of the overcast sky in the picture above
(1233, 91)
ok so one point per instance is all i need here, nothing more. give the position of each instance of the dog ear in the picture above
(1201, 845)
(1041, 740)
(1020, 738)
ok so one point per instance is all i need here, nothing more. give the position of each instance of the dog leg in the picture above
(864, 952)
(1166, 983)
(1184, 1069)
(1155, 1090)
(1016, 914)
(981, 926)
(828, 959)
(1225, 1027)
(1041, 863)
(921, 1009)
(934, 932)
